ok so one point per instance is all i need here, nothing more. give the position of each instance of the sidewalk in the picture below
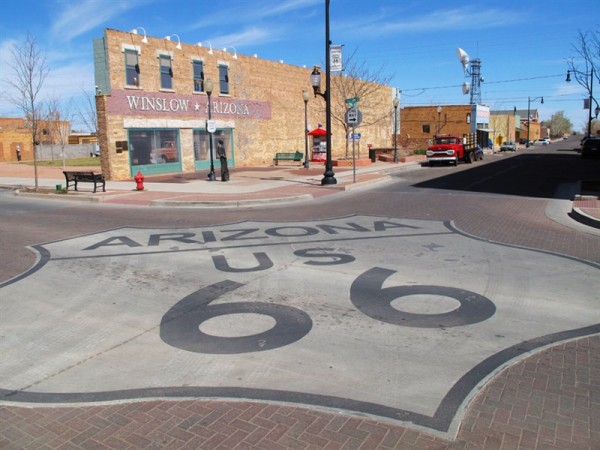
(586, 205)
(248, 186)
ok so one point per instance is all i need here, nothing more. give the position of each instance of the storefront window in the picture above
(149, 147)
(202, 148)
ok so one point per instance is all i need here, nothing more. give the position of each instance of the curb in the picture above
(77, 198)
(581, 217)
(229, 203)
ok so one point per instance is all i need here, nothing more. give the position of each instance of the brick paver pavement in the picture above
(549, 400)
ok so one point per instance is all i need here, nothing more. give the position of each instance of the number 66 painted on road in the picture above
(180, 326)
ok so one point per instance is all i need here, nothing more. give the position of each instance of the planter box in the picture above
(413, 158)
(349, 162)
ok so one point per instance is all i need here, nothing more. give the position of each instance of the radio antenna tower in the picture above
(472, 69)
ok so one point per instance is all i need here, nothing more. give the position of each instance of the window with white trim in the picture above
(166, 72)
(132, 68)
(224, 79)
(198, 71)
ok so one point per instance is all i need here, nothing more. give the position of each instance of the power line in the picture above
(486, 82)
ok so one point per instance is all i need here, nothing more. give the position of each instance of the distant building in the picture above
(420, 124)
(15, 137)
(506, 126)
(82, 138)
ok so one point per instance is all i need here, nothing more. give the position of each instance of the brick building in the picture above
(511, 125)
(15, 137)
(153, 108)
(419, 124)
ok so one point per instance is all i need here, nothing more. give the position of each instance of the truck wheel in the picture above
(469, 157)
(455, 162)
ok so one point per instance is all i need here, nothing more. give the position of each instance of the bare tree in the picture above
(30, 72)
(59, 124)
(586, 63)
(359, 81)
(87, 112)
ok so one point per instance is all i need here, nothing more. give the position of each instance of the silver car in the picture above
(508, 146)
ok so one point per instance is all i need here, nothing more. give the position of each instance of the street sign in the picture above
(352, 101)
(211, 126)
(353, 117)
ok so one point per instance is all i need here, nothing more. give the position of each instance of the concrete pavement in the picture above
(546, 399)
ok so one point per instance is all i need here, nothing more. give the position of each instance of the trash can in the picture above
(372, 155)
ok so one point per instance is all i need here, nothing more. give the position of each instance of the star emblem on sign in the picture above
(196, 106)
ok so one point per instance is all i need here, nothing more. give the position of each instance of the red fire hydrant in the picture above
(139, 179)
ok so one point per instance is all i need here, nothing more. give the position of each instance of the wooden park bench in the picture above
(72, 178)
(294, 157)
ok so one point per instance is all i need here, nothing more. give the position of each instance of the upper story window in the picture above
(198, 68)
(223, 79)
(166, 72)
(426, 128)
(132, 68)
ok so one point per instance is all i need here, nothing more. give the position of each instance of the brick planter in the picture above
(349, 162)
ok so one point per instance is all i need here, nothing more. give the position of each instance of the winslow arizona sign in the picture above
(151, 104)
(400, 319)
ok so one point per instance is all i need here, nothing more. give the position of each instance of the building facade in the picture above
(153, 107)
(15, 137)
(420, 124)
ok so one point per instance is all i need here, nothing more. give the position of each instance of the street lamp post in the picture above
(315, 79)
(396, 102)
(305, 97)
(208, 88)
(597, 110)
(529, 114)
(439, 127)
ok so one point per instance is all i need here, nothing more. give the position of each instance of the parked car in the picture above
(95, 151)
(508, 146)
(523, 141)
(542, 142)
(591, 148)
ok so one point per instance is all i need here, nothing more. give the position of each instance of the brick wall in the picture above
(451, 120)
(271, 90)
(14, 132)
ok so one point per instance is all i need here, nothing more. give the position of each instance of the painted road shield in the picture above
(401, 319)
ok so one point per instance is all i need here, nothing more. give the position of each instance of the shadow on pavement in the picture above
(528, 174)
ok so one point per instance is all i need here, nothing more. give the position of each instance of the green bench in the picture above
(294, 157)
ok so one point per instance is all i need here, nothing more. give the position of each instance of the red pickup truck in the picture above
(166, 153)
(453, 148)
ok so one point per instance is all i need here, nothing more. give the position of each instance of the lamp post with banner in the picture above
(315, 79)
(210, 128)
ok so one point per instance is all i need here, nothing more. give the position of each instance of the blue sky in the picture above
(523, 46)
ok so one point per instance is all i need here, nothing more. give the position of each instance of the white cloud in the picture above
(254, 12)
(248, 37)
(455, 19)
(82, 16)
